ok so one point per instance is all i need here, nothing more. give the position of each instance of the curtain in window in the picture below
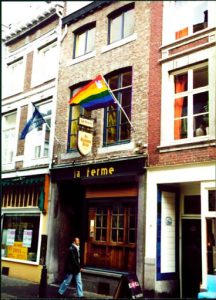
(180, 86)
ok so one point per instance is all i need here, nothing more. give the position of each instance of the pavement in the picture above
(13, 288)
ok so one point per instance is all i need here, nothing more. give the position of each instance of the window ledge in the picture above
(81, 58)
(35, 263)
(69, 155)
(122, 42)
(122, 147)
(186, 145)
(36, 161)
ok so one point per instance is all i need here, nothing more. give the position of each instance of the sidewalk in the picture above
(12, 288)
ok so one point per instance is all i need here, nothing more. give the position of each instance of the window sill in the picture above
(120, 43)
(36, 161)
(81, 58)
(185, 145)
(35, 263)
(122, 147)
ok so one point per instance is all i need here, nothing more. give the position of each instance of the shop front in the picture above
(24, 208)
(100, 203)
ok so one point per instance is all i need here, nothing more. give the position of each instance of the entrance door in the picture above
(191, 257)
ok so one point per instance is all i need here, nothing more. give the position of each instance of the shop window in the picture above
(117, 129)
(8, 137)
(212, 200)
(192, 205)
(191, 103)
(45, 63)
(20, 234)
(75, 112)
(121, 23)
(84, 40)
(211, 245)
(195, 17)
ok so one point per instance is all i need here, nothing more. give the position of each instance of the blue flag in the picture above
(35, 121)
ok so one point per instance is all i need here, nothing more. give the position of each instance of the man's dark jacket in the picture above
(72, 263)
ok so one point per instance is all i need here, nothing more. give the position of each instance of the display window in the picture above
(20, 235)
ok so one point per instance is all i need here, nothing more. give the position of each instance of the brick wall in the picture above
(134, 54)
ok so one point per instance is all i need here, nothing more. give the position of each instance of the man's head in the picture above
(76, 241)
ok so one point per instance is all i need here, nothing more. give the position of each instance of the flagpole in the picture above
(118, 103)
(48, 125)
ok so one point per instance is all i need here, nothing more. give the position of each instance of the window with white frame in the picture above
(8, 137)
(84, 40)
(195, 17)
(38, 140)
(121, 23)
(20, 236)
(45, 63)
(191, 102)
(15, 75)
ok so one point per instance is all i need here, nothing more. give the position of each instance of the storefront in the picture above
(181, 247)
(24, 219)
(100, 203)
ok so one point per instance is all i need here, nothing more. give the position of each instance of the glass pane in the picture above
(132, 222)
(125, 132)
(181, 107)
(212, 201)
(200, 103)
(201, 125)
(181, 83)
(180, 129)
(132, 236)
(200, 77)
(98, 221)
(211, 245)
(120, 235)
(126, 97)
(91, 40)
(114, 235)
(98, 234)
(121, 222)
(113, 82)
(115, 29)
(80, 44)
(192, 204)
(128, 23)
(127, 79)
(114, 221)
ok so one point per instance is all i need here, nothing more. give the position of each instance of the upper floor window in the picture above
(75, 112)
(38, 140)
(8, 137)
(84, 40)
(191, 17)
(191, 102)
(15, 75)
(121, 23)
(116, 127)
(45, 63)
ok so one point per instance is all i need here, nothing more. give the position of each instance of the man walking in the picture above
(73, 269)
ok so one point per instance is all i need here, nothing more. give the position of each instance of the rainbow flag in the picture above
(94, 95)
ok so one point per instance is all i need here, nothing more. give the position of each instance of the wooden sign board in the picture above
(128, 287)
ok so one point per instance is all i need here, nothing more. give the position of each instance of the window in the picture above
(122, 226)
(20, 236)
(191, 102)
(212, 200)
(84, 41)
(117, 128)
(121, 24)
(75, 112)
(8, 137)
(45, 63)
(211, 245)
(39, 139)
(15, 74)
(195, 17)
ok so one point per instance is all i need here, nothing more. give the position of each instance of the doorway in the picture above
(191, 257)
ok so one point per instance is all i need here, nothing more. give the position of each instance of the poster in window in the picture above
(10, 237)
(27, 238)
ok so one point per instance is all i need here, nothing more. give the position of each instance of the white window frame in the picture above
(33, 142)
(167, 105)
(77, 49)
(23, 211)
(14, 74)
(44, 69)
(7, 165)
